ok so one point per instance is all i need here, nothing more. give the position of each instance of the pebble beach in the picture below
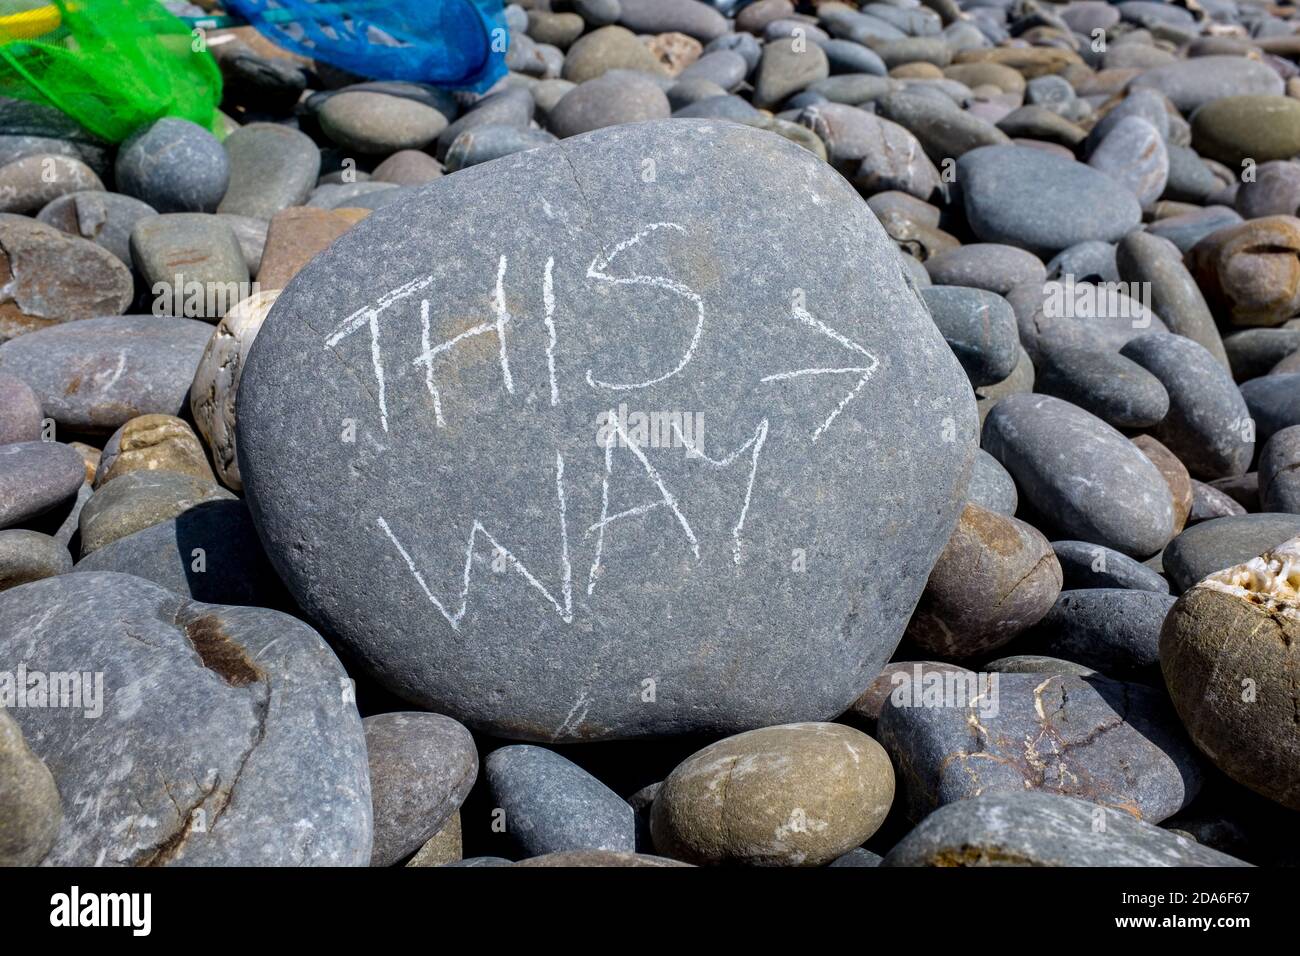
(749, 434)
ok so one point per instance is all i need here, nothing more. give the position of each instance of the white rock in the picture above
(216, 382)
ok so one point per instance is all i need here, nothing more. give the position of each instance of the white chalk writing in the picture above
(597, 271)
(866, 371)
(562, 607)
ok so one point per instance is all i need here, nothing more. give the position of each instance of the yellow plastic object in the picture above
(112, 65)
(29, 24)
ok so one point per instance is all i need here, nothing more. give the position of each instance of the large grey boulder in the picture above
(204, 735)
(426, 444)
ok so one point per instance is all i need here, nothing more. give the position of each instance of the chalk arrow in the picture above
(864, 371)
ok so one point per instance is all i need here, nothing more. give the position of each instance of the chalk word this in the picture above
(621, 431)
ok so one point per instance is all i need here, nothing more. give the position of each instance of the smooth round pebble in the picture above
(791, 795)
(421, 769)
(552, 805)
(1222, 543)
(30, 556)
(174, 165)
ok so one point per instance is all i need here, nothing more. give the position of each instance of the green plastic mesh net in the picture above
(112, 65)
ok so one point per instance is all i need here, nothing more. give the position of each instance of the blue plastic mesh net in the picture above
(453, 43)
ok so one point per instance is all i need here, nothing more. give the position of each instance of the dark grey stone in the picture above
(137, 500)
(1194, 82)
(685, 92)
(726, 68)
(1190, 179)
(1274, 190)
(20, 411)
(1043, 125)
(60, 523)
(1174, 295)
(991, 486)
(272, 167)
(1279, 471)
(1188, 229)
(1151, 14)
(372, 198)
(1253, 352)
(1039, 829)
(507, 108)
(479, 861)
(1091, 261)
(386, 572)
(98, 156)
(986, 265)
(174, 166)
(30, 810)
(979, 327)
(720, 107)
(944, 130)
(1274, 403)
(274, 84)
(1091, 481)
(785, 69)
(30, 556)
(421, 769)
(36, 476)
(744, 44)
(251, 234)
(182, 251)
(875, 154)
(1244, 489)
(106, 219)
(695, 19)
(209, 552)
(486, 143)
(1036, 664)
(1209, 502)
(1114, 388)
(30, 118)
(1133, 154)
(552, 805)
(1207, 425)
(1222, 543)
(1067, 314)
(341, 195)
(378, 124)
(1113, 630)
(844, 23)
(854, 89)
(228, 736)
(1116, 744)
(845, 56)
(1087, 565)
(611, 98)
(96, 374)
(1042, 202)
(1020, 380)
